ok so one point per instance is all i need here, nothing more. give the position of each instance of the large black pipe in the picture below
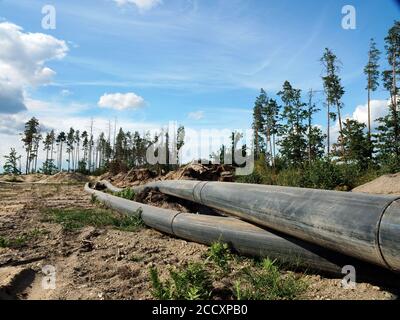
(244, 238)
(363, 226)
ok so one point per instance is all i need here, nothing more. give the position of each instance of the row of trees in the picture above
(80, 151)
(288, 126)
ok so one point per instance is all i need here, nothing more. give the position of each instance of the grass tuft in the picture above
(74, 219)
(192, 283)
(220, 254)
(127, 193)
(267, 283)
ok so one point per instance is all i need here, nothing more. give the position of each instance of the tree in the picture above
(270, 114)
(293, 143)
(77, 140)
(70, 147)
(11, 164)
(392, 47)
(356, 143)
(258, 122)
(371, 70)
(314, 135)
(61, 138)
(333, 91)
(30, 140)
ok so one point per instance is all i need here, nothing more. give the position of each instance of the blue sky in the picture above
(198, 62)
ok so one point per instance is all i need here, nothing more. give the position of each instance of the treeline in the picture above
(81, 151)
(290, 149)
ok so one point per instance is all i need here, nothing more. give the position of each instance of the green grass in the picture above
(192, 283)
(126, 194)
(241, 279)
(267, 283)
(21, 240)
(219, 253)
(74, 219)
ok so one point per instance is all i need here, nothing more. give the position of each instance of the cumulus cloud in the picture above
(142, 5)
(11, 125)
(121, 101)
(22, 63)
(197, 115)
(11, 99)
(379, 108)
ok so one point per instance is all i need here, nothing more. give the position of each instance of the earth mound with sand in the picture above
(387, 184)
(64, 177)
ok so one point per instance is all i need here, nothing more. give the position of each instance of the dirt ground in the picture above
(98, 263)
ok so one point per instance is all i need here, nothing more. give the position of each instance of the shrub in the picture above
(267, 283)
(191, 283)
(219, 253)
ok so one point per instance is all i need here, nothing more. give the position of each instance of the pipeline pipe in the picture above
(244, 238)
(366, 227)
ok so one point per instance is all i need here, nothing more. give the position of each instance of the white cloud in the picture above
(142, 5)
(22, 63)
(197, 115)
(121, 101)
(379, 108)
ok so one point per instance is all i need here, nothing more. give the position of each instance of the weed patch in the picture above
(73, 219)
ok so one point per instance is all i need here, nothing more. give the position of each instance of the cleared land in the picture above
(99, 255)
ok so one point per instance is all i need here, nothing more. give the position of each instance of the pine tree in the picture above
(293, 143)
(356, 143)
(258, 122)
(29, 140)
(60, 140)
(11, 164)
(70, 147)
(371, 70)
(333, 91)
(270, 117)
(392, 47)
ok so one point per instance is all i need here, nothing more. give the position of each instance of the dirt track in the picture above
(100, 263)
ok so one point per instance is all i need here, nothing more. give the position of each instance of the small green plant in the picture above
(73, 219)
(268, 283)
(192, 283)
(220, 254)
(127, 193)
(15, 243)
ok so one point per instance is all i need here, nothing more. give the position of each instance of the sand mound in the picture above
(11, 178)
(387, 184)
(64, 177)
(34, 177)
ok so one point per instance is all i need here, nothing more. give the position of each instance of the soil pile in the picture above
(387, 184)
(64, 177)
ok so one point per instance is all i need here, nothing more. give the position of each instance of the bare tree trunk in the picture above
(328, 131)
(341, 129)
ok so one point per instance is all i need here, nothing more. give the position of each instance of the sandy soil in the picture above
(101, 263)
(387, 184)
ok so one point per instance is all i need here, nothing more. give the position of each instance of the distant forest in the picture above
(289, 149)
